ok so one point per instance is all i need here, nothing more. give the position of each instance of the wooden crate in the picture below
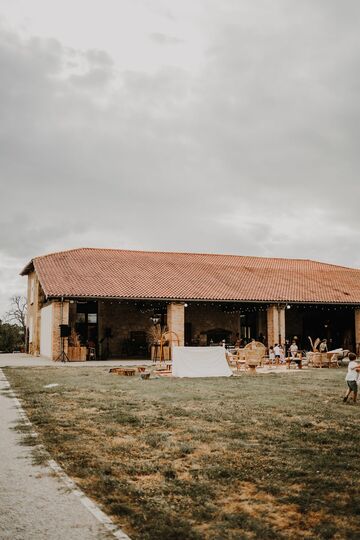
(155, 353)
(77, 354)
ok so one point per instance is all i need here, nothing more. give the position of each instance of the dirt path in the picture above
(36, 505)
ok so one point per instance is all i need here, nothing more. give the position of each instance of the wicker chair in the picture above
(236, 359)
(333, 360)
(254, 353)
(231, 357)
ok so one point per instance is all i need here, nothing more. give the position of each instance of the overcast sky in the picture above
(225, 126)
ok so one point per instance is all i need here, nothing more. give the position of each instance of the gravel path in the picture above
(26, 360)
(36, 505)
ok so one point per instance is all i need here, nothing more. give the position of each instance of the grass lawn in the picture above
(265, 456)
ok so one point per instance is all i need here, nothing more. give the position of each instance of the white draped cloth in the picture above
(200, 362)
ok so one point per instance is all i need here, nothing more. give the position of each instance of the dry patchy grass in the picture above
(271, 456)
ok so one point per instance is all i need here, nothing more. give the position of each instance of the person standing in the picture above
(282, 354)
(277, 352)
(352, 377)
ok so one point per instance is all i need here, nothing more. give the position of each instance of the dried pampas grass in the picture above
(315, 344)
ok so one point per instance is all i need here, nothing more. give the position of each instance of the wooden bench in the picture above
(294, 361)
(124, 371)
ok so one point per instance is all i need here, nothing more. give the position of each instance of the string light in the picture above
(147, 306)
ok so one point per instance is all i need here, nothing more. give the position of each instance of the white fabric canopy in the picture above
(200, 362)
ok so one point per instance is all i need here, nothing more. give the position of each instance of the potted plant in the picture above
(160, 340)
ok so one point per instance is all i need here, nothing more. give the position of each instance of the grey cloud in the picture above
(98, 73)
(254, 154)
(27, 230)
(164, 39)
(99, 58)
(287, 125)
(93, 78)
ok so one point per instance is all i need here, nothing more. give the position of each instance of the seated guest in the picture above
(237, 341)
(293, 349)
(253, 343)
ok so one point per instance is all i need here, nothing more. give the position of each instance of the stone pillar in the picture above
(272, 325)
(357, 331)
(60, 315)
(33, 315)
(281, 312)
(176, 321)
(275, 325)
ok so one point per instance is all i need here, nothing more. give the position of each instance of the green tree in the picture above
(11, 337)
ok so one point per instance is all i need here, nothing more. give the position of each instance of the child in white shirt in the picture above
(352, 377)
(277, 352)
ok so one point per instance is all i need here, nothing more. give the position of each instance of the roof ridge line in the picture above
(202, 254)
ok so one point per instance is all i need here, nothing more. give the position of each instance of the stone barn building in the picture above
(111, 299)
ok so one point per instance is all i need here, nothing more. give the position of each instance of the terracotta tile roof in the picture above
(89, 272)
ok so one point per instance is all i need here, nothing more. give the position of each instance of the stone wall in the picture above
(122, 319)
(205, 317)
(60, 316)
